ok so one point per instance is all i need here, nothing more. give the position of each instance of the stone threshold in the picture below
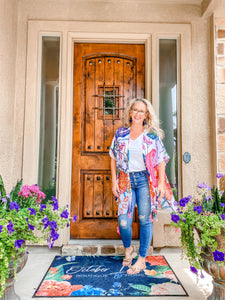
(98, 247)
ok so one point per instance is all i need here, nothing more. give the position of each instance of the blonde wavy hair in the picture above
(152, 121)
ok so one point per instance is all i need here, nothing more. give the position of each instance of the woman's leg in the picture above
(125, 226)
(144, 208)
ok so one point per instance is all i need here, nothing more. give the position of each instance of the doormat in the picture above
(75, 276)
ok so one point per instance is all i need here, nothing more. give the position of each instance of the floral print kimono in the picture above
(153, 153)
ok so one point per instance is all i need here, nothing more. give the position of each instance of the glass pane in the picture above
(109, 103)
(49, 106)
(168, 108)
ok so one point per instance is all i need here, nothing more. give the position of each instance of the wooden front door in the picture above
(106, 78)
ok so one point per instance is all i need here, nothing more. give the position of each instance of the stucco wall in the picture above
(200, 110)
(8, 44)
(121, 11)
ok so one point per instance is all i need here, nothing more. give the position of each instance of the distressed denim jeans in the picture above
(141, 197)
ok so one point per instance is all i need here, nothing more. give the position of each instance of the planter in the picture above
(214, 269)
(9, 293)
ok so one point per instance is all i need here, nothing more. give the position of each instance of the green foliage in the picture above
(15, 191)
(216, 200)
(175, 193)
(24, 219)
(201, 219)
(49, 190)
(2, 189)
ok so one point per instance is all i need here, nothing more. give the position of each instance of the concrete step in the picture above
(98, 247)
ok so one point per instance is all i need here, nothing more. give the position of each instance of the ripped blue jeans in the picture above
(141, 197)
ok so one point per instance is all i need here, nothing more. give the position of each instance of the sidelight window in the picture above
(49, 115)
(169, 106)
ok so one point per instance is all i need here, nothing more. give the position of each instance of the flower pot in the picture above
(214, 269)
(9, 293)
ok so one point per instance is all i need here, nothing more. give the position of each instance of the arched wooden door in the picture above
(106, 78)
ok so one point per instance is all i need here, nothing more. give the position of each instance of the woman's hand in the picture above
(115, 189)
(160, 190)
(161, 185)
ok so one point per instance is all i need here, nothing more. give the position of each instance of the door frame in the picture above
(143, 39)
(95, 32)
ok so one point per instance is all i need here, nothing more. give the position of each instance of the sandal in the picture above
(136, 269)
(127, 261)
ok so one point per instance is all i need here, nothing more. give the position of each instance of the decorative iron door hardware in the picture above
(109, 102)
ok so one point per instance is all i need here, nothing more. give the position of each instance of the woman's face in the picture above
(138, 113)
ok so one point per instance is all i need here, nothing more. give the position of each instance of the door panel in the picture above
(106, 78)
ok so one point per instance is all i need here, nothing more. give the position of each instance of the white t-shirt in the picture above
(136, 161)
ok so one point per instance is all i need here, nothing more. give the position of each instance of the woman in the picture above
(138, 160)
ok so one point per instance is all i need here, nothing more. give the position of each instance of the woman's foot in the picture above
(137, 267)
(129, 255)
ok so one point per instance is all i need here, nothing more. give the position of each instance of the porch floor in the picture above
(39, 259)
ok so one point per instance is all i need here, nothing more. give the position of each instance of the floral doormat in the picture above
(75, 276)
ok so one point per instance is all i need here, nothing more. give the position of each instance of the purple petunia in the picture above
(54, 235)
(194, 270)
(222, 204)
(14, 205)
(219, 175)
(175, 218)
(4, 200)
(53, 225)
(32, 211)
(18, 243)
(182, 202)
(74, 218)
(218, 256)
(1, 227)
(31, 227)
(45, 221)
(187, 199)
(223, 216)
(204, 186)
(10, 227)
(65, 214)
(43, 206)
(55, 204)
(50, 243)
(198, 209)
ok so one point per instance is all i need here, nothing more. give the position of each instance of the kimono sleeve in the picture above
(161, 151)
(113, 148)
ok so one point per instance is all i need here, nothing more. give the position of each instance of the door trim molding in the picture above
(91, 32)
